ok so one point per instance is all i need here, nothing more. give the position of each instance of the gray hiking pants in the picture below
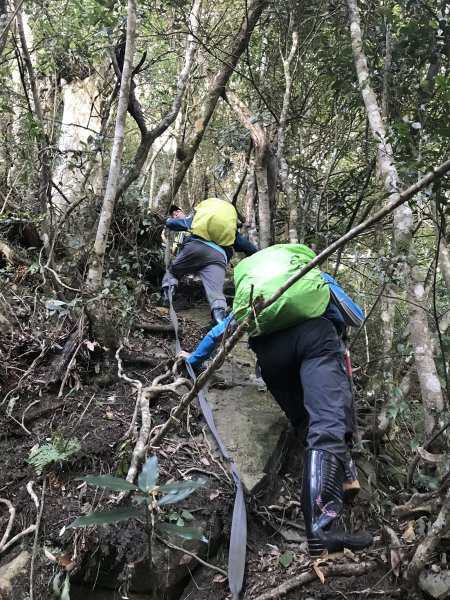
(209, 264)
(304, 369)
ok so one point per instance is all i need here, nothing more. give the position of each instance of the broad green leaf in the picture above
(178, 491)
(184, 532)
(286, 559)
(65, 592)
(149, 474)
(116, 484)
(186, 515)
(106, 517)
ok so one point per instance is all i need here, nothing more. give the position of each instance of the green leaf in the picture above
(138, 499)
(106, 517)
(184, 532)
(178, 491)
(286, 559)
(65, 592)
(186, 515)
(116, 484)
(149, 474)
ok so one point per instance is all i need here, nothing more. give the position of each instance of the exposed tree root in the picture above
(346, 570)
(5, 542)
(425, 550)
(417, 506)
(144, 395)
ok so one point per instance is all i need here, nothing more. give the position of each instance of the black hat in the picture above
(173, 208)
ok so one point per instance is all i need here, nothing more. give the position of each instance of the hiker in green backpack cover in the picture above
(298, 344)
(201, 255)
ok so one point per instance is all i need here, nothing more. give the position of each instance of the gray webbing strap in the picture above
(238, 538)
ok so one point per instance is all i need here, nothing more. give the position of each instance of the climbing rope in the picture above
(238, 538)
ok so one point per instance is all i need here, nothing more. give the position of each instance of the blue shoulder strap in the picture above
(352, 314)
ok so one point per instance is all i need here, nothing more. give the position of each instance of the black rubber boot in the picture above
(323, 477)
(218, 314)
(164, 300)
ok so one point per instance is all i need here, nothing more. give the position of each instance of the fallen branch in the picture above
(346, 570)
(425, 550)
(155, 327)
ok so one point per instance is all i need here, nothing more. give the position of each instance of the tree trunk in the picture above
(284, 168)
(81, 122)
(250, 216)
(149, 137)
(262, 155)
(44, 183)
(4, 28)
(209, 102)
(403, 244)
(95, 274)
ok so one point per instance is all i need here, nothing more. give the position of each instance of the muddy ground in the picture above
(99, 559)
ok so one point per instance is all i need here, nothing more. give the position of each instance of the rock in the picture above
(249, 421)
(437, 585)
(11, 570)
(291, 535)
(251, 426)
(112, 564)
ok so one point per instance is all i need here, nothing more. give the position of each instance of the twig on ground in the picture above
(218, 462)
(32, 494)
(289, 505)
(197, 470)
(40, 508)
(5, 544)
(22, 424)
(12, 514)
(67, 373)
(200, 560)
(346, 570)
(138, 384)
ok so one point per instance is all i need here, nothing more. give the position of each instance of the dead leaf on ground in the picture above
(49, 555)
(219, 578)
(215, 494)
(409, 534)
(318, 571)
(396, 560)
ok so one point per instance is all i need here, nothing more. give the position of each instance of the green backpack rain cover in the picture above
(215, 220)
(267, 270)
